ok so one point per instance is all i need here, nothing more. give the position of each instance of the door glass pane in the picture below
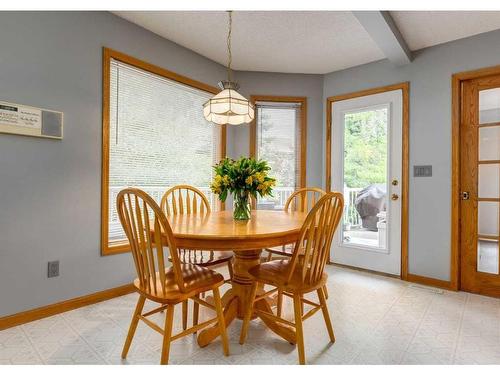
(489, 180)
(489, 143)
(489, 106)
(487, 256)
(365, 177)
(488, 219)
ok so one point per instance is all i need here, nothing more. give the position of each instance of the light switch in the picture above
(422, 171)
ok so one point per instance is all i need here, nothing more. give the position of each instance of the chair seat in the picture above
(285, 251)
(196, 280)
(275, 273)
(203, 258)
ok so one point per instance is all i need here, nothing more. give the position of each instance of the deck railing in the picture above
(278, 200)
(280, 195)
(351, 216)
(156, 192)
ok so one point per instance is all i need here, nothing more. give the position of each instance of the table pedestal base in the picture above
(236, 300)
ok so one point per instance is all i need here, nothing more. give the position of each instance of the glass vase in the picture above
(241, 206)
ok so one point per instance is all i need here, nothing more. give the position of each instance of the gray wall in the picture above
(430, 135)
(281, 84)
(50, 190)
(50, 196)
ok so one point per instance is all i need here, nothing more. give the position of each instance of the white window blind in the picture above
(278, 142)
(158, 137)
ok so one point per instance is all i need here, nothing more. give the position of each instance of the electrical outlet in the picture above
(53, 269)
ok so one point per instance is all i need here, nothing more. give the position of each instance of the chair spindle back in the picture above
(312, 248)
(184, 199)
(139, 214)
(303, 200)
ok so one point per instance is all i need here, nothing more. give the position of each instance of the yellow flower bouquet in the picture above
(243, 178)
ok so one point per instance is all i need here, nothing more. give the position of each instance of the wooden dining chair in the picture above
(186, 199)
(149, 233)
(302, 273)
(302, 200)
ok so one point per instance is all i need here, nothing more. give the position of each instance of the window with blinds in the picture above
(158, 137)
(279, 137)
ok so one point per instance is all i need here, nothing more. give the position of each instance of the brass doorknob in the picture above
(395, 197)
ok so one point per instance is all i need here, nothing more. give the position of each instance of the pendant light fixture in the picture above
(228, 106)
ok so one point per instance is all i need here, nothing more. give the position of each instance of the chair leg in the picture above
(133, 325)
(280, 303)
(326, 315)
(222, 323)
(196, 312)
(325, 290)
(184, 314)
(230, 268)
(248, 313)
(297, 308)
(167, 335)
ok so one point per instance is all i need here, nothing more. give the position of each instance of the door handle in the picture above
(394, 197)
(465, 195)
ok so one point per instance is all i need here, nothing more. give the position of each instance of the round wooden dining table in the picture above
(246, 239)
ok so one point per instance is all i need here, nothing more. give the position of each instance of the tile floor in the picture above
(377, 320)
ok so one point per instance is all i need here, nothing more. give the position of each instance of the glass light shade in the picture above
(228, 107)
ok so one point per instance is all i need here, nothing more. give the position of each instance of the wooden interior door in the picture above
(480, 185)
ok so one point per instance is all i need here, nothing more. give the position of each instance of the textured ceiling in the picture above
(425, 29)
(291, 42)
(305, 41)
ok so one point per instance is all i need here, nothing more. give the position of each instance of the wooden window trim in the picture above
(405, 89)
(108, 54)
(302, 100)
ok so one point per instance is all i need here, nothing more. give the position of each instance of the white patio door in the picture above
(367, 167)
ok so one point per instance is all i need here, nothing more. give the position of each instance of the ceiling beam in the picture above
(384, 32)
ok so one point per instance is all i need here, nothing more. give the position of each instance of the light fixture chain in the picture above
(228, 106)
(230, 56)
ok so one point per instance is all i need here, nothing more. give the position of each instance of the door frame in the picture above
(405, 88)
(456, 99)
